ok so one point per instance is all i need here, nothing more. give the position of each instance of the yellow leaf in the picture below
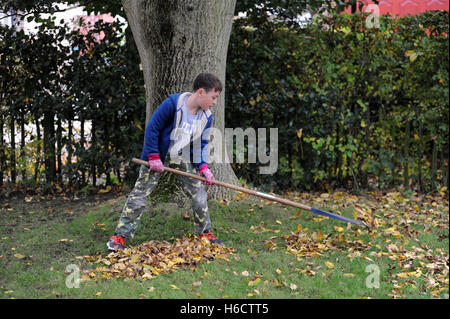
(338, 229)
(329, 264)
(174, 287)
(349, 275)
(105, 190)
(98, 293)
(293, 286)
(178, 260)
(20, 256)
(411, 54)
(278, 271)
(254, 282)
(245, 273)
(134, 258)
(320, 236)
(279, 222)
(299, 133)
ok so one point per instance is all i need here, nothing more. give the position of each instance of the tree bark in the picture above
(59, 150)
(38, 150)
(48, 124)
(13, 151)
(177, 40)
(23, 166)
(2, 150)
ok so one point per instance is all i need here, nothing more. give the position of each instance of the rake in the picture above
(261, 195)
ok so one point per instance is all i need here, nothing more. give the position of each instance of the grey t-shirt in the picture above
(185, 132)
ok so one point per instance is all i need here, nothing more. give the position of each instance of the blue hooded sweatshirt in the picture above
(164, 120)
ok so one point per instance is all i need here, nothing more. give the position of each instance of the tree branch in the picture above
(25, 14)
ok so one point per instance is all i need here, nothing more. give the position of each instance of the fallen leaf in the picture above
(293, 286)
(338, 229)
(329, 264)
(254, 281)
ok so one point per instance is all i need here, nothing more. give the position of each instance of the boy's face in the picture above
(207, 99)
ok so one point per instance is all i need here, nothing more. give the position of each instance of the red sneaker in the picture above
(210, 236)
(115, 243)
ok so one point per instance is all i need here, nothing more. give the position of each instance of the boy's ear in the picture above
(200, 91)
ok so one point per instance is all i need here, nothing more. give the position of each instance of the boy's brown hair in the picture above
(207, 81)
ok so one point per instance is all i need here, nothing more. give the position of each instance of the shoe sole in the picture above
(112, 248)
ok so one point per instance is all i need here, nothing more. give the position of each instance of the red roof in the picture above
(405, 7)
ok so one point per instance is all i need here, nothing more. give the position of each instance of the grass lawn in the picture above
(279, 251)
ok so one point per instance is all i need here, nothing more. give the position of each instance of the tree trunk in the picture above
(2, 151)
(49, 146)
(82, 170)
(434, 154)
(177, 40)
(23, 165)
(419, 157)
(13, 151)
(69, 146)
(38, 150)
(406, 156)
(59, 150)
(93, 162)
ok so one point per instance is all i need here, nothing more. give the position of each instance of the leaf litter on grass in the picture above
(397, 224)
(153, 258)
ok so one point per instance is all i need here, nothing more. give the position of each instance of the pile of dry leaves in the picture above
(155, 257)
(303, 243)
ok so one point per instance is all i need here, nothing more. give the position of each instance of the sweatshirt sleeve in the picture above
(159, 120)
(204, 144)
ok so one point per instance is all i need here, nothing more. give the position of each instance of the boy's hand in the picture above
(155, 163)
(206, 173)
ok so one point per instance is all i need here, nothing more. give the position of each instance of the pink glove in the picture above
(206, 173)
(155, 163)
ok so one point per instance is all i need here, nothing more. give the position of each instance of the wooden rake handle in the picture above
(262, 195)
(234, 187)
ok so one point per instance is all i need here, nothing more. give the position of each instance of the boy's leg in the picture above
(137, 199)
(197, 192)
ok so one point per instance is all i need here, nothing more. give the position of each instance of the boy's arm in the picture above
(154, 127)
(204, 145)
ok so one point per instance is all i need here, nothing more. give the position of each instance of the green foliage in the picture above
(372, 103)
(86, 94)
(355, 106)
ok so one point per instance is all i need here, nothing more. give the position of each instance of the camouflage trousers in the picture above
(146, 182)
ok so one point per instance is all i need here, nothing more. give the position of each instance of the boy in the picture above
(176, 135)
